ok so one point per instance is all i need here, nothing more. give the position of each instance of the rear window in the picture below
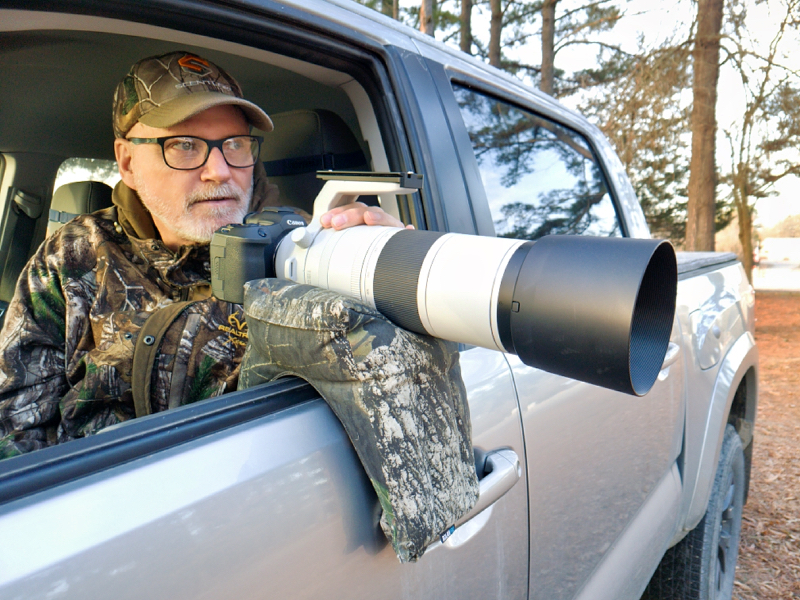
(540, 177)
(87, 169)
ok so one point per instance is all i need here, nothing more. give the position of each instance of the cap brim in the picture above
(179, 109)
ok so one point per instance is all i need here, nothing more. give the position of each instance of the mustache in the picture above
(216, 191)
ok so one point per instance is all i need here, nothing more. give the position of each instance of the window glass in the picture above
(87, 169)
(540, 178)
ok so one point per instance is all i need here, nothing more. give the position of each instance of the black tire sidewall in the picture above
(731, 461)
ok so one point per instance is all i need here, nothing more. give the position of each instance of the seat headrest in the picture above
(77, 198)
(302, 143)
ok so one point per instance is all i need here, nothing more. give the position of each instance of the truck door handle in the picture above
(504, 471)
(672, 355)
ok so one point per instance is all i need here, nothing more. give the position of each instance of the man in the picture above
(112, 317)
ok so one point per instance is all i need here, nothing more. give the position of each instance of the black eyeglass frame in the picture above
(210, 145)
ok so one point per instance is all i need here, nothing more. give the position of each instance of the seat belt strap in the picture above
(59, 216)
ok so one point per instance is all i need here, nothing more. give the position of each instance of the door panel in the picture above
(279, 507)
(594, 457)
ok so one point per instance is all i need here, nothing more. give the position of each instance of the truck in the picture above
(585, 492)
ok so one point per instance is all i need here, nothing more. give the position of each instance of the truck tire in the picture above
(702, 565)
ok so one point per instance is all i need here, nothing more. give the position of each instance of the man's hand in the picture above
(358, 213)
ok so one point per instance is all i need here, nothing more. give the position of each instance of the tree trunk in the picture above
(746, 239)
(396, 10)
(548, 45)
(466, 26)
(426, 17)
(745, 214)
(495, 32)
(703, 176)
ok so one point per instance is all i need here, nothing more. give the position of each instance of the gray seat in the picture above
(78, 198)
(20, 222)
(302, 143)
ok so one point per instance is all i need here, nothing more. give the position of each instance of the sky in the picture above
(659, 19)
(656, 18)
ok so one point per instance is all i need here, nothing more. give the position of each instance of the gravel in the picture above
(769, 552)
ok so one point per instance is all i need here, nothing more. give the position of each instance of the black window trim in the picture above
(421, 104)
(470, 172)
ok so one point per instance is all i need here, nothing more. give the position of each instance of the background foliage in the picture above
(628, 65)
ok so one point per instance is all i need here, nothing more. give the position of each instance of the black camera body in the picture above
(243, 252)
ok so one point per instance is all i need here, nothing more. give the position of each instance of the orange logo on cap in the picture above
(194, 64)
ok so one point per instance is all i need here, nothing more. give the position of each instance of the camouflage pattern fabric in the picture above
(164, 90)
(399, 396)
(66, 349)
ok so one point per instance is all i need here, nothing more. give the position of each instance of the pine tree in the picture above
(703, 174)
(575, 24)
(764, 141)
(548, 45)
(426, 23)
(465, 23)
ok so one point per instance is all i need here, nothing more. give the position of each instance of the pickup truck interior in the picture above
(56, 141)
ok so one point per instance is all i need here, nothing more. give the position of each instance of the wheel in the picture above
(703, 564)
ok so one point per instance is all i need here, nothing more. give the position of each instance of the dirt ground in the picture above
(769, 552)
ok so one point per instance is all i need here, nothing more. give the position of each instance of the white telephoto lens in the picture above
(444, 285)
(598, 310)
(340, 261)
(459, 288)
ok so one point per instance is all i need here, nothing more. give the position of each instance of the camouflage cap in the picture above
(162, 91)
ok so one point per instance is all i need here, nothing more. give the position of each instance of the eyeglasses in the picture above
(184, 153)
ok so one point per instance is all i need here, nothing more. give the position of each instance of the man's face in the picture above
(188, 206)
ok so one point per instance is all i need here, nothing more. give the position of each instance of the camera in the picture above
(599, 310)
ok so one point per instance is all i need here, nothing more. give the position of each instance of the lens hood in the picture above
(599, 310)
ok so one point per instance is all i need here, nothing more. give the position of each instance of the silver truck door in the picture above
(596, 459)
(258, 493)
(276, 505)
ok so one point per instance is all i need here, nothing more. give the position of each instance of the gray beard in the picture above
(193, 229)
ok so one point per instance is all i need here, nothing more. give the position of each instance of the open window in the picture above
(60, 72)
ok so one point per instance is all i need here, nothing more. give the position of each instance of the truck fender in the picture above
(742, 357)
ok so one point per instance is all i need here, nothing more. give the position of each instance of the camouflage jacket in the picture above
(87, 341)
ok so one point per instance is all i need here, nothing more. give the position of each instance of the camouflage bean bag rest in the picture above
(399, 396)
